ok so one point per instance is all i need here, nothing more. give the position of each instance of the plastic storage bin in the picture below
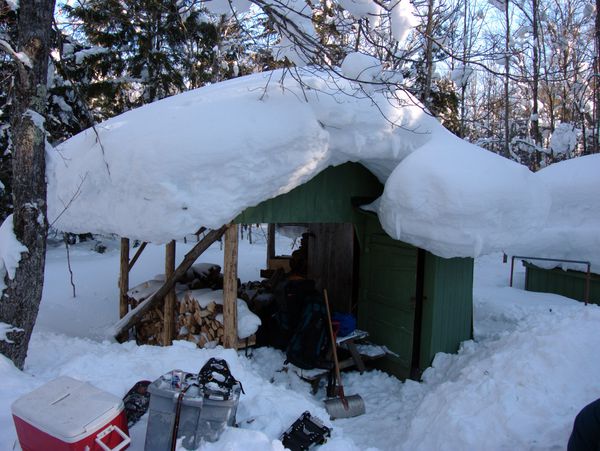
(200, 418)
(70, 415)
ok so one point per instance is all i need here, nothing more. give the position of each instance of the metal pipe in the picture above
(588, 274)
(512, 267)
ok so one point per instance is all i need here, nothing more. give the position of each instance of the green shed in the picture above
(570, 283)
(411, 301)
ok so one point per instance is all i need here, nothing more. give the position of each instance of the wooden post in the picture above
(230, 336)
(124, 278)
(170, 298)
(270, 243)
(134, 316)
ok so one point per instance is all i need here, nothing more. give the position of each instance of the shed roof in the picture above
(202, 157)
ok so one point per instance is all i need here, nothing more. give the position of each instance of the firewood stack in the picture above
(193, 322)
(198, 324)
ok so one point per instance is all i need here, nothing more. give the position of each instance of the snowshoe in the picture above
(136, 402)
(216, 381)
(306, 432)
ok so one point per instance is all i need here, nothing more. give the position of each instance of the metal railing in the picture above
(561, 260)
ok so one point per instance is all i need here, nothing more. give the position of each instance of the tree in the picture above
(124, 55)
(596, 74)
(20, 300)
(8, 29)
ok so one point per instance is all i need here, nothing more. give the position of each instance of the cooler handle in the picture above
(126, 440)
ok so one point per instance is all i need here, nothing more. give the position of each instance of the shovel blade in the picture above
(354, 407)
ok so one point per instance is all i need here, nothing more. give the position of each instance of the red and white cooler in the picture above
(70, 415)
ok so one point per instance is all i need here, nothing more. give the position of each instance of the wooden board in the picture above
(331, 262)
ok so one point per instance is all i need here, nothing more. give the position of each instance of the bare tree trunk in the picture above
(425, 99)
(535, 122)
(463, 86)
(506, 83)
(21, 299)
(597, 74)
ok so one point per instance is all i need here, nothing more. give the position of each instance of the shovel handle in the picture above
(334, 350)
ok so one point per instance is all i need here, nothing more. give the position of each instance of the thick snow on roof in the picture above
(457, 200)
(200, 158)
(572, 228)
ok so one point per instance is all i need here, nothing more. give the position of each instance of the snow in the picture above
(200, 158)
(572, 229)
(360, 67)
(10, 251)
(360, 8)
(403, 19)
(37, 119)
(564, 138)
(13, 5)
(297, 36)
(518, 385)
(81, 55)
(459, 201)
(460, 75)
(6, 329)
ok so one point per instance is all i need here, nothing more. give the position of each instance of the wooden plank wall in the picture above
(331, 261)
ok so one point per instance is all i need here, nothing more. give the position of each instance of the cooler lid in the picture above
(67, 408)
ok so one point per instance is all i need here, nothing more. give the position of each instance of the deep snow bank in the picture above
(456, 199)
(572, 230)
(200, 158)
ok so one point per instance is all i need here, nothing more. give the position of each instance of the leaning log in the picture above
(135, 315)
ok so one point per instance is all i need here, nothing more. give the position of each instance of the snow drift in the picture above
(572, 228)
(200, 158)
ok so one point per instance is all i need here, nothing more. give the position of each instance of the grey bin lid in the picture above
(162, 388)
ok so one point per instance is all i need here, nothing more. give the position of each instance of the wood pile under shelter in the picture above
(194, 321)
(165, 295)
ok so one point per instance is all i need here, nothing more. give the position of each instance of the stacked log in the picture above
(197, 322)
(200, 325)
(149, 329)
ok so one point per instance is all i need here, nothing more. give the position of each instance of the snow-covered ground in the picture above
(533, 365)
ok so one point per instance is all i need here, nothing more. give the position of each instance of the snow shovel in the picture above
(345, 406)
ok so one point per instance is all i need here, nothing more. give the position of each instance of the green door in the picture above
(387, 302)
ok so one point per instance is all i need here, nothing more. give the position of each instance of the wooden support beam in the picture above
(170, 298)
(137, 255)
(270, 243)
(124, 278)
(230, 335)
(134, 316)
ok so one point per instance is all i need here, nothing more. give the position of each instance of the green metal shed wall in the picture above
(388, 268)
(566, 283)
(386, 306)
(447, 307)
(324, 199)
